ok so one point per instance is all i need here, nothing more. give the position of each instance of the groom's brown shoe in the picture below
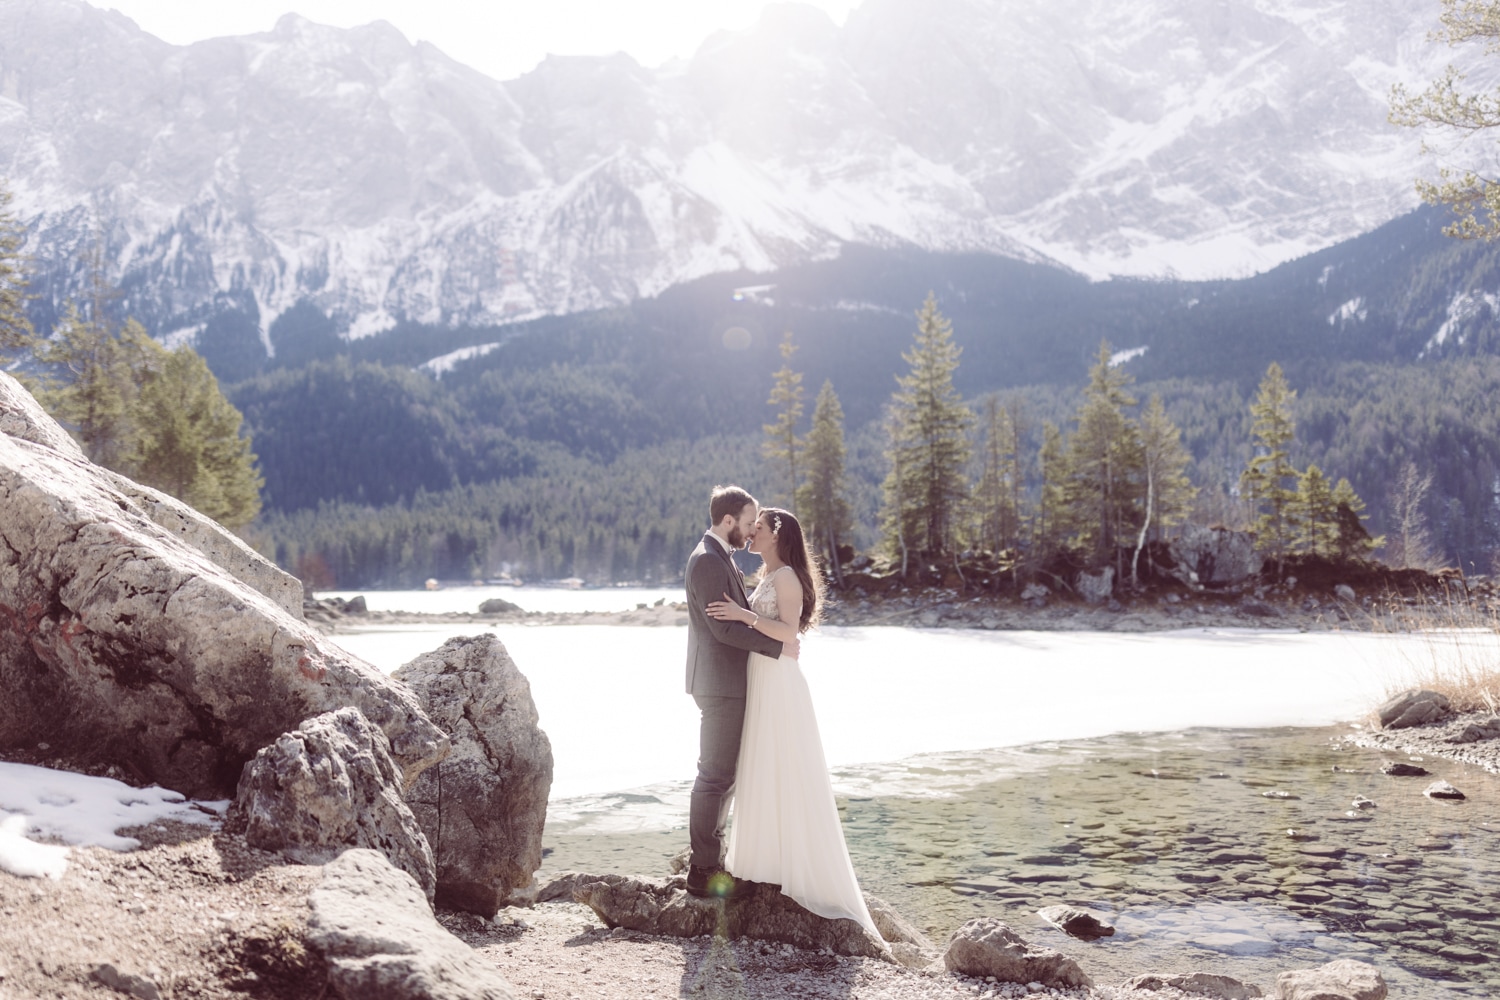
(709, 883)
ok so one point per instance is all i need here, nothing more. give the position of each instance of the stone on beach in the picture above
(755, 911)
(326, 787)
(1413, 708)
(1096, 588)
(1344, 979)
(371, 923)
(1200, 983)
(985, 946)
(133, 632)
(483, 807)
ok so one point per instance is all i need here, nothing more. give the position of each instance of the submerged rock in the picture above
(1345, 979)
(372, 925)
(325, 787)
(483, 807)
(124, 638)
(1414, 708)
(1401, 769)
(1442, 790)
(985, 946)
(1081, 924)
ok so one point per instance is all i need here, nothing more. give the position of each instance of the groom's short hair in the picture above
(728, 500)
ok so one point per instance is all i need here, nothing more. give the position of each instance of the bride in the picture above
(786, 828)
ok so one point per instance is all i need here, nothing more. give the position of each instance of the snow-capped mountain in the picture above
(378, 180)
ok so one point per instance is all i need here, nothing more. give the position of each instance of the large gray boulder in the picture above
(122, 641)
(1414, 708)
(325, 787)
(1096, 587)
(755, 911)
(1345, 979)
(483, 807)
(985, 947)
(371, 923)
(22, 417)
(1214, 557)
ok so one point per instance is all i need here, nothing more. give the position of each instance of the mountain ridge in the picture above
(379, 182)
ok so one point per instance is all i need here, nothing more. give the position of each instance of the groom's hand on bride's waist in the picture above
(792, 648)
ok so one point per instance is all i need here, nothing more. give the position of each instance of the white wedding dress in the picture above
(786, 828)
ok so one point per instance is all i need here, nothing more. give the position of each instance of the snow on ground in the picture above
(81, 810)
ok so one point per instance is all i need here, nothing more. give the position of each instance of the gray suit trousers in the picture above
(713, 791)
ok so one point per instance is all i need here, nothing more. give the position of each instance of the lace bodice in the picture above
(763, 601)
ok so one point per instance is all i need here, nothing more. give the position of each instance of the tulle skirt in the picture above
(786, 828)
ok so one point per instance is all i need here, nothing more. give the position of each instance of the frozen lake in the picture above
(611, 698)
(528, 598)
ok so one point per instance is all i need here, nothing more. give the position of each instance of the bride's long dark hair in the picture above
(791, 548)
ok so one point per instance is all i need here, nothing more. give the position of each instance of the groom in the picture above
(716, 657)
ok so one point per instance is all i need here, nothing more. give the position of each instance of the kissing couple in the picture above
(758, 744)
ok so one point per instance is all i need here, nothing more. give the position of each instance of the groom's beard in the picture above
(736, 538)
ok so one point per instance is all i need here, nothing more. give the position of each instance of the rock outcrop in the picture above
(1214, 557)
(1096, 587)
(483, 807)
(1414, 708)
(1204, 984)
(326, 787)
(985, 947)
(1345, 979)
(129, 642)
(372, 925)
(755, 911)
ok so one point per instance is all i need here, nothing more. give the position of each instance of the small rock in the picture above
(1198, 983)
(1034, 592)
(1075, 922)
(1259, 609)
(1276, 794)
(1342, 980)
(985, 946)
(356, 605)
(1442, 790)
(1360, 802)
(126, 982)
(1476, 732)
(1413, 708)
(1345, 592)
(1401, 769)
(497, 606)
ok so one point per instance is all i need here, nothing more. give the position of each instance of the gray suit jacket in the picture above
(718, 650)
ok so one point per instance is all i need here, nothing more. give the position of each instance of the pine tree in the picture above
(1266, 481)
(15, 329)
(824, 506)
(1104, 461)
(782, 445)
(1351, 539)
(1051, 527)
(187, 438)
(1169, 494)
(89, 383)
(996, 495)
(929, 445)
(1314, 514)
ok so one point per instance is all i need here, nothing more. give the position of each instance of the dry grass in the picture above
(1459, 655)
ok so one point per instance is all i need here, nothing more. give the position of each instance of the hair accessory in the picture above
(775, 524)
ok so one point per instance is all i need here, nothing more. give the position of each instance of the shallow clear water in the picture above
(1170, 837)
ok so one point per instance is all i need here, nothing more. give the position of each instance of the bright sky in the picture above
(503, 38)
